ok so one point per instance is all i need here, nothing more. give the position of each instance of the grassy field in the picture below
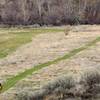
(11, 82)
(57, 54)
(12, 38)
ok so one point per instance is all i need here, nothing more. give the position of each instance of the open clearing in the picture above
(82, 44)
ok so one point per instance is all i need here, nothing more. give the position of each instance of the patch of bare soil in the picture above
(46, 47)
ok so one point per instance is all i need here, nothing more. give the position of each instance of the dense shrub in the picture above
(55, 12)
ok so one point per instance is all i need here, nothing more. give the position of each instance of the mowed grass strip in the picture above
(12, 38)
(12, 81)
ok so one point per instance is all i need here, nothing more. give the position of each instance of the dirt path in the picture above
(50, 46)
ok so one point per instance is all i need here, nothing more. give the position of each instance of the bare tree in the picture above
(54, 12)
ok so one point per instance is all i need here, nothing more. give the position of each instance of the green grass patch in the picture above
(12, 38)
(12, 81)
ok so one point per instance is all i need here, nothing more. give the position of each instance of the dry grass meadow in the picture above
(54, 63)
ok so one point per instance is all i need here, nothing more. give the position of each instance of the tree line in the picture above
(49, 12)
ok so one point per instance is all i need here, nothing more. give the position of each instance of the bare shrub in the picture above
(91, 81)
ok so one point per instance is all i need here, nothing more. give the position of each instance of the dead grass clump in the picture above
(61, 86)
(25, 94)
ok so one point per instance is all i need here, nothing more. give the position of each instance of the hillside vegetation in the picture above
(53, 12)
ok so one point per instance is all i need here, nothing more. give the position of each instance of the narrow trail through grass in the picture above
(12, 81)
